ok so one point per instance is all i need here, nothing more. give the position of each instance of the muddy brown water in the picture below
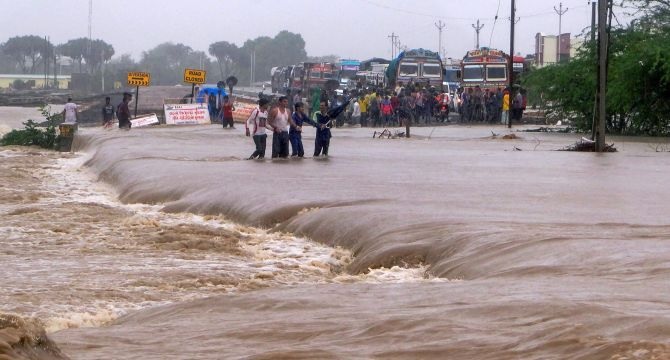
(163, 243)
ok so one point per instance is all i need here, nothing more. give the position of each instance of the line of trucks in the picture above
(480, 67)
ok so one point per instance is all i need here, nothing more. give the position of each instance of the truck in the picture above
(307, 75)
(347, 69)
(419, 66)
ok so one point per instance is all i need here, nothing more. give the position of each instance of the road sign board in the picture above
(194, 76)
(137, 78)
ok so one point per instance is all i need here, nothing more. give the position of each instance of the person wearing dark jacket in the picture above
(295, 132)
(323, 124)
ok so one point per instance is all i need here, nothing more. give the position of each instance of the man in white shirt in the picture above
(70, 112)
(356, 114)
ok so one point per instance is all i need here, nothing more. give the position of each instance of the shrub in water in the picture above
(32, 134)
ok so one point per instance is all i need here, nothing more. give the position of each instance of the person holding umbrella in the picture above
(323, 124)
(324, 121)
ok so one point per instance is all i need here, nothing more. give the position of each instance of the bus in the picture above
(486, 68)
(419, 66)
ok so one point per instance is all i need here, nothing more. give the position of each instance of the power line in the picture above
(495, 20)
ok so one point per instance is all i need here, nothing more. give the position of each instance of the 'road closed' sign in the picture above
(194, 76)
(136, 78)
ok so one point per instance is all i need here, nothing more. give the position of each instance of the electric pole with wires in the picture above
(393, 38)
(510, 65)
(477, 28)
(560, 13)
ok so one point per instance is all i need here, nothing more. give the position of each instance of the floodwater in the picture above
(163, 243)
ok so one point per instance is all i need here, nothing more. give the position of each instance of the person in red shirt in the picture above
(228, 109)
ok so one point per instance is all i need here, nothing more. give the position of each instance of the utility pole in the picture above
(560, 13)
(510, 65)
(45, 57)
(479, 28)
(594, 123)
(440, 25)
(393, 36)
(593, 20)
(90, 25)
(602, 75)
(251, 67)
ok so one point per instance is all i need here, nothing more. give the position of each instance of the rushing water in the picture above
(162, 243)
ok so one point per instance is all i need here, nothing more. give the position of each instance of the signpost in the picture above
(194, 76)
(138, 78)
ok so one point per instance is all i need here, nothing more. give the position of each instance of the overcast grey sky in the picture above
(350, 28)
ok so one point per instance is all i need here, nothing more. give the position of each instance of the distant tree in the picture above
(166, 62)
(27, 51)
(93, 52)
(7, 64)
(289, 48)
(98, 53)
(227, 56)
(117, 69)
(286, 48)
(75, 49)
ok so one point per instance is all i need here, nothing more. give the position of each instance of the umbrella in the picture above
(336, 111)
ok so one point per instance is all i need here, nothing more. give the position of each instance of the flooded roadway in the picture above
(449, 244)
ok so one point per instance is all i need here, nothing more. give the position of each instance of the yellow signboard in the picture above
(136, 78)
(194, 76)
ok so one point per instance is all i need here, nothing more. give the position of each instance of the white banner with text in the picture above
(186, 114)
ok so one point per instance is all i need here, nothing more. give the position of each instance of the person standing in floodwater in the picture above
(295, 133)
(123, 112)
(107, 114)
(70, 112)
(323, 124)
(279, 119)
(256, 124)
(227, 108)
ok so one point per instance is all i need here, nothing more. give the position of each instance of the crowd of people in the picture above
(490, 106)
(414, 104)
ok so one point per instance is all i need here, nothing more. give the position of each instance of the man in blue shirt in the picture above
(295, 132)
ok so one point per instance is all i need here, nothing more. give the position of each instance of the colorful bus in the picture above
(419, 66)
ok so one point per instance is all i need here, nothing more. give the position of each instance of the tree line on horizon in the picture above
(165, 62)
